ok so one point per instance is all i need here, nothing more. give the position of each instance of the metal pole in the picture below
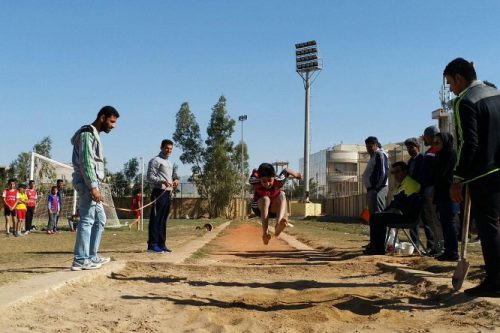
(242, 168)
(32, 166)
(306, 137)
(142, 194)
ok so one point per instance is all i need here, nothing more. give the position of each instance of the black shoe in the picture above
(166, 249)
(373, 252)
(431, 252)
(447, 257)
(485, 289)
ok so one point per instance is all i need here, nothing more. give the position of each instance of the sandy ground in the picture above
(241, 285)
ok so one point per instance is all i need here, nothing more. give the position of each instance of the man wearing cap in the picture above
(476, 112)
(432, 228)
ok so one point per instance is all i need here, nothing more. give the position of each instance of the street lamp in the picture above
(307, 64)
(242, 119)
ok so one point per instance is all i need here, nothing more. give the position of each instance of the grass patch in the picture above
(39, 253)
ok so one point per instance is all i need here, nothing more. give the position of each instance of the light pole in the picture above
(307, 63)
(242, 119)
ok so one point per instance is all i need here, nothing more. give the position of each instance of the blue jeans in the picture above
(91, 225)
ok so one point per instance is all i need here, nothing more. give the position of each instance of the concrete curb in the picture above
(41, 285)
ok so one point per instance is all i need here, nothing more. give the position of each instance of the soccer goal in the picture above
(45, 172)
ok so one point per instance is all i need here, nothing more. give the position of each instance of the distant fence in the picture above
(185, 207)
(346, 205)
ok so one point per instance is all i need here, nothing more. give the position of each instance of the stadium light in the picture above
(242, 119)
(307, 63)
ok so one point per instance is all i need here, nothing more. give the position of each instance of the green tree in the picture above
(20, 167)
(297, 189)
(214, 171)
(43, 168)
(236, 159)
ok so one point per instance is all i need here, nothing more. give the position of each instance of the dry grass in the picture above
(38, 253)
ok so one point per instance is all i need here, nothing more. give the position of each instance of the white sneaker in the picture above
(87, 265)
(101, 260)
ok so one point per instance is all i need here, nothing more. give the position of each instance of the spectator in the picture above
(446, 159)
(88, 166)
(404, 208)
(160, 176)
(31, 206)
(9, 205)
(376, 179)
(54, 208)
(477, 121)
(22, 200)
(73, 220)
(135, 207)
(60, 194)
(428, 214)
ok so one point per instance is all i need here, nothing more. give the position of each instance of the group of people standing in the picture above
(19, 203)
(431, 186)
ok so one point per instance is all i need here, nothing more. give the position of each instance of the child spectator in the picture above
(32, 198)
(73, 220)
(269, 200)
(9, 205)
(136, 205)
(54, 208)
(22, 200)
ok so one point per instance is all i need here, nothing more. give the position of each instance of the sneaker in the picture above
(86, 265)
(280, 226)
(155, 249)
(101, 260)
(26, 232)
(166, 249)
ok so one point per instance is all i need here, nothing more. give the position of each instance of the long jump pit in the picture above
(237, 284)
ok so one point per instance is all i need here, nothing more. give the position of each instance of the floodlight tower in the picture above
(443, 114)
(307, 64)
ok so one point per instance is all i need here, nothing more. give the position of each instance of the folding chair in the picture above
(403, 225)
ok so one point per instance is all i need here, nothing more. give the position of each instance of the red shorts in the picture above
(137, 214)
(21, 214)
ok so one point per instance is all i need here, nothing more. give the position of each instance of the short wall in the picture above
(184, 207)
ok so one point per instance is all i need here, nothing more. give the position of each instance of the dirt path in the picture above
(241, 285)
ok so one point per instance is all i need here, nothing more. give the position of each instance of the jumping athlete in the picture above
(268, 200)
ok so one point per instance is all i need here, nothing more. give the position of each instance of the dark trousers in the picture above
(485, 197)
(29, 217)
(158, 219)
(376, 201)
(447, 216)
(378, 228)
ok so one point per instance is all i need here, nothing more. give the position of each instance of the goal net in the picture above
(45, 172)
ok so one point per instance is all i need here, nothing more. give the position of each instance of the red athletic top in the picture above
(32, 196)
(10, 197)
(260, 191)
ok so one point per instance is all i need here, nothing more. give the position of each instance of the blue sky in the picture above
(60, 61)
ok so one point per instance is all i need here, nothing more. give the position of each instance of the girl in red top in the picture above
(268, 200)
(136, 205)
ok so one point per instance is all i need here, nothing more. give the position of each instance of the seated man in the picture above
(404, 208)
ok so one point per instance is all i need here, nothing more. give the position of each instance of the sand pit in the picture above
(241, 285)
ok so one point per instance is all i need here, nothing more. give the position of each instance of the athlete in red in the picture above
(268, 200)
(9, 205)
